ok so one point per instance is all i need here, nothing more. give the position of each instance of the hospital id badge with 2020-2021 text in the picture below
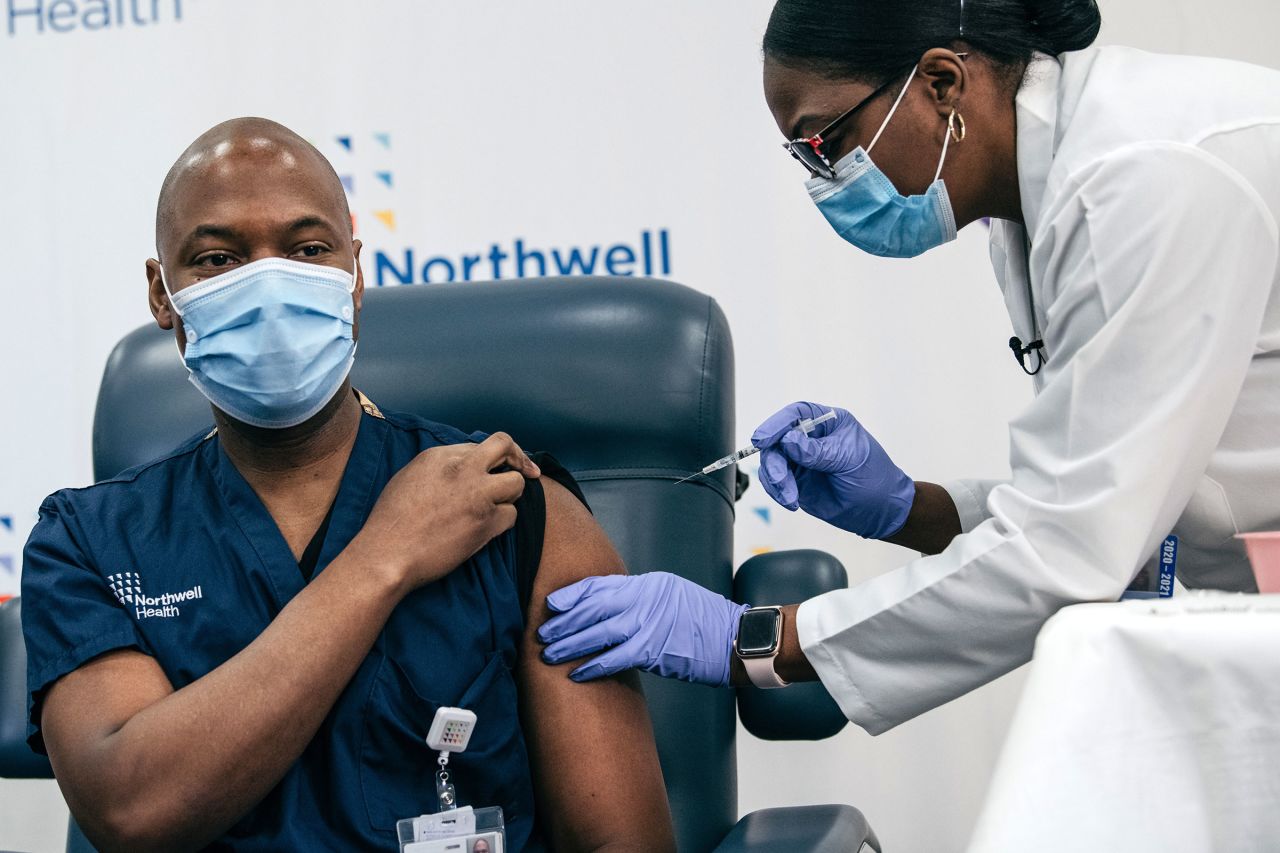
(1155, 578)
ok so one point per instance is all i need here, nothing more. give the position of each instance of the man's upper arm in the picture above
(594, 759)
(86, 707)
(88, 667)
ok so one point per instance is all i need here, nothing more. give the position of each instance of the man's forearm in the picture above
(232, 734)
(932, 523)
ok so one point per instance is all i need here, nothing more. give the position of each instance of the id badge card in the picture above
(1155, 578)
(460, 830)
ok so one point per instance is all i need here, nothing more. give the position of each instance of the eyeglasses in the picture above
(808, 149)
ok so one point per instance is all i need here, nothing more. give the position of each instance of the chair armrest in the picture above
(17, 761)
(801, 711)
(801, 829)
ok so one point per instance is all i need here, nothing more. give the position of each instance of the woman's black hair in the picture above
(873, 40)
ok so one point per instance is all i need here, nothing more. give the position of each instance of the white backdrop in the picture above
(491, 128)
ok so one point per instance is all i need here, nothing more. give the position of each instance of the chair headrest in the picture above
(604, 372)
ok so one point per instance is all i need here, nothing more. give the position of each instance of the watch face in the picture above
(758, 632)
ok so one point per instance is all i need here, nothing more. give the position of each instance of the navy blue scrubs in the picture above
(180, 559)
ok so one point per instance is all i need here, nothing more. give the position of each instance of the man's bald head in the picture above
(246, 190)
(240, 148)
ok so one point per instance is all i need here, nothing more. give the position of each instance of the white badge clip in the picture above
(450, 732)
(453, 829)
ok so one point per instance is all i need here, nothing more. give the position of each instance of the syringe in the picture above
(805, 425)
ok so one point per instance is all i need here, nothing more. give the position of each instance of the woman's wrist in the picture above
(932, 523)
(790, 664)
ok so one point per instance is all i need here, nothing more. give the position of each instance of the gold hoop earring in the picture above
(958, 134)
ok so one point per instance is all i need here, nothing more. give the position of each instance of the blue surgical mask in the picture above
(865, 208)
(269, 343)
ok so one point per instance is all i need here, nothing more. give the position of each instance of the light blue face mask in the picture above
(865, 208)
(269, 343)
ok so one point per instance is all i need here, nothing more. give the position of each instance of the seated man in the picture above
(242, 644)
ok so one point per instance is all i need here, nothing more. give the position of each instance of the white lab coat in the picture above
(1150, 186)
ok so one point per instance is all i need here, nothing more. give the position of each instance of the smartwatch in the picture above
(759, 638)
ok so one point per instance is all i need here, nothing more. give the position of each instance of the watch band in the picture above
(761, 672)
(760, 666)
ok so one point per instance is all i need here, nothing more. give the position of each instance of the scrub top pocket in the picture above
(398, 769)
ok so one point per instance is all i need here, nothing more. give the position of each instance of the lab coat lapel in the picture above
(1037, 134)
(1037, 108)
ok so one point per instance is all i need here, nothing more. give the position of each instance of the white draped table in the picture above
(1145, 726)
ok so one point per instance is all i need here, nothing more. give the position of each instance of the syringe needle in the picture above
(720, 464)
(806, 426)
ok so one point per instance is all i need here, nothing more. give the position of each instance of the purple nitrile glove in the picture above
(839, 473)
(657, 622)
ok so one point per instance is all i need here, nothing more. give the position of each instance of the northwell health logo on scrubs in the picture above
(128, 589)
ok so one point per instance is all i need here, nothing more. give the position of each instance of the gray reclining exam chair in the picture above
(630, 384)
